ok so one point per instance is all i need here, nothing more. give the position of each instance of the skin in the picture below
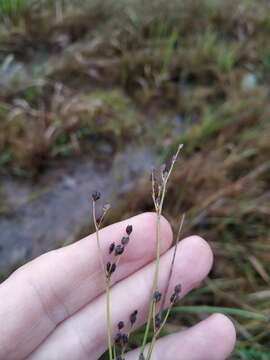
(54, 306)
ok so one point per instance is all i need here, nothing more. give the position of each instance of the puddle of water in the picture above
(46, 214)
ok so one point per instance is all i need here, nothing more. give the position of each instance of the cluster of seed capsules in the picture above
(121, 338)
(175, 297)
(116, 250)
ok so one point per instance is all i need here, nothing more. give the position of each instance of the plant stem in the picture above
(150, 314)
(158, 206)
(151, 347)
(108, 318)
(107, 284)
(156, 333)
(98, 241)
(172, 263)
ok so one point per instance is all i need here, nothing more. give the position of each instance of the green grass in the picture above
(13, 8)
(214, 50)
(219, 309)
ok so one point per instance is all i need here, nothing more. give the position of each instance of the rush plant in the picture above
(157, 315)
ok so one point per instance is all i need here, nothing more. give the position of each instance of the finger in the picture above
(83, 336)
(54, 286)
(211, 339)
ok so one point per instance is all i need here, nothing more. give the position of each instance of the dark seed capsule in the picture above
(96, 195)
(111, 248)
(113, 268)
(157, 296)
(125, 240)
(133, 317)
(141, 357)
(164, 170)
(108, 267)
(174, 298)
(118, 338)
(158, 321)
(129, 229)
(178, 289)
(119, 249)
(124, 339)
(120, 325)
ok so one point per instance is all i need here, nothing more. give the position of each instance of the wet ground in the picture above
(50, 212)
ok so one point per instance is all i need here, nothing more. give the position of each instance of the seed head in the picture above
(119, 249)
(178, 289)
(141, 357)
(157, 296)
(133, 317)
(96, 195)
(110, 268)
(118, 338)
(125, 240)
(174, 298)
(113, 268)
(158, 321)
(111, 248)
(129, 229)
(124, 339)
(120, 325)
(164, 170)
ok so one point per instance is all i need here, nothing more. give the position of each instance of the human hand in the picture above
(53, 308)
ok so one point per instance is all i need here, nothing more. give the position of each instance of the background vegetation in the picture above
(74, 74)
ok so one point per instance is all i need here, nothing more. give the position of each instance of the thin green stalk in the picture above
(158, 206)
(108, 318)
(98, 241)
(172, 263)
(107, 284)
(154, 315)
(155, 336)
(166, 290)
(150, 314)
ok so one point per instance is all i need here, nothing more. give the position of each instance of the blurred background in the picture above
(94, 93)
